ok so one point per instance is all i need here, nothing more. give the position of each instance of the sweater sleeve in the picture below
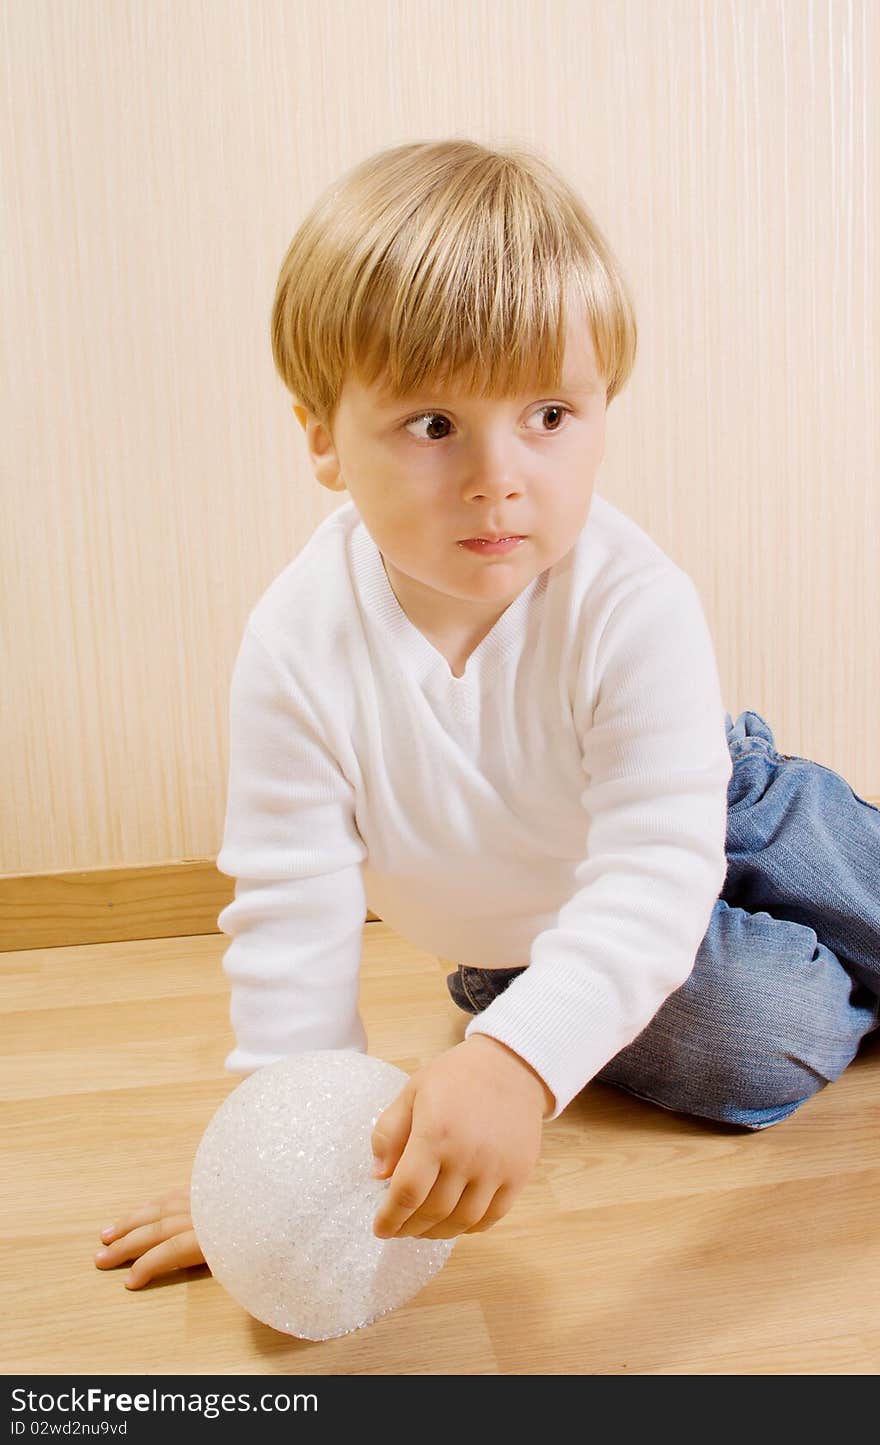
(656, 758)
(291, 843)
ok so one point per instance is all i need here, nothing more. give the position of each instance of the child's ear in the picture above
(322, 453)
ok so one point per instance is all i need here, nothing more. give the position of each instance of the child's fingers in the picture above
(417, 1172)
(180, 1252)
(137, 1241)
(174, 1203)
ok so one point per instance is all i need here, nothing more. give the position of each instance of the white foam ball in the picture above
(283, 1197)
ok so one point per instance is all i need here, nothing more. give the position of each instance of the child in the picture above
(514, 751)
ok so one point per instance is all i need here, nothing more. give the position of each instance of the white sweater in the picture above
(563, 804)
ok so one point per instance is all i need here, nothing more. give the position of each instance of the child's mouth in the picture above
(504, 544)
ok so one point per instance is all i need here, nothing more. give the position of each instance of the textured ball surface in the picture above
(284, 1197)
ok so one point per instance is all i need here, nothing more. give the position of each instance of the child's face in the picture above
(422, 483)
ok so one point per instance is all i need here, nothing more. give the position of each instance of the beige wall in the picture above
(156, 157)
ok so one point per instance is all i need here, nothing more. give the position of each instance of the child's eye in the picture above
(432, 416)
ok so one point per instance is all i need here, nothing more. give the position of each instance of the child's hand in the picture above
(462, 1138)
(158, 1236)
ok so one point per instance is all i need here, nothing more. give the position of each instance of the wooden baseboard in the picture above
(111, 905)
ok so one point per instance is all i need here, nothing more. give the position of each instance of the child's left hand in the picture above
(461, 1138)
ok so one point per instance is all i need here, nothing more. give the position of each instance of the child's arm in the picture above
(649, 714)
(296, 921)
(292, 845)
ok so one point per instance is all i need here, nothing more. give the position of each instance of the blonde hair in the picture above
(445, 259)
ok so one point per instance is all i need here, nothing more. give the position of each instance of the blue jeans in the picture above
(786, 982)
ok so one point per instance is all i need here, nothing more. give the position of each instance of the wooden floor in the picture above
(644, 1243)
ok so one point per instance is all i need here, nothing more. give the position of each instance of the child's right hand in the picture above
(158, 1236)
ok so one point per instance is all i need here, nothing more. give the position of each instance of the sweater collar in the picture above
(419, 655)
